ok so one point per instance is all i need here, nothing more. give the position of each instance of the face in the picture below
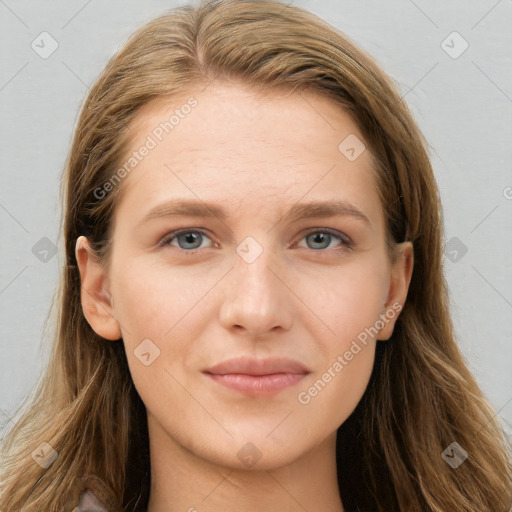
(216, 257)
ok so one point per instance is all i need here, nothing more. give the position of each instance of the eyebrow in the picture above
(313, 209)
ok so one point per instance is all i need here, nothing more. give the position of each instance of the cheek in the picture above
(350, 306)
(348, 301)
(152, 299)
(160, 311)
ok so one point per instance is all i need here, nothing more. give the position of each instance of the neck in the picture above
(183, 481)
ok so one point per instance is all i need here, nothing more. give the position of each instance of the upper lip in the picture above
(253, 366)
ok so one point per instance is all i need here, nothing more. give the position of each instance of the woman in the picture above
(259, 366)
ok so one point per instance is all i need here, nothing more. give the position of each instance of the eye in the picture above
(322, 239)
(186, 239)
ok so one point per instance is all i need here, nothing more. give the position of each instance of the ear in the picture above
(95, 297)
(401, 273)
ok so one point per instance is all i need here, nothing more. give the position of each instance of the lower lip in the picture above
(257, 385)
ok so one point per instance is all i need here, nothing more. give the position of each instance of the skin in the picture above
(305, 297)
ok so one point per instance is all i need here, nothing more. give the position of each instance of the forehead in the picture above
(251, 147)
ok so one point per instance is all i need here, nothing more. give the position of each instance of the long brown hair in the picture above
(421, 397)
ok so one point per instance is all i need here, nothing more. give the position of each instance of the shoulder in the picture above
(89, 502)
(93, 494)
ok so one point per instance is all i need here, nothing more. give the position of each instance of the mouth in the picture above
(258, 377)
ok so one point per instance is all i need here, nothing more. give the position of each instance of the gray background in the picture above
(461, 101)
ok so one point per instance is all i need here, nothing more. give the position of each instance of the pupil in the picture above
(190, 238)
(319, 236)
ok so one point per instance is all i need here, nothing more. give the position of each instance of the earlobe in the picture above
(401, 274)
(95, 297)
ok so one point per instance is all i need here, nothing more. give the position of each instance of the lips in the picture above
(257, 377)
(255, 367)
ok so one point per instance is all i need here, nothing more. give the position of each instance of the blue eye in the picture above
(320, 237)
(187, 238)
(190, 240)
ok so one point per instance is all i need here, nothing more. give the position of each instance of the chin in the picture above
(253, 450)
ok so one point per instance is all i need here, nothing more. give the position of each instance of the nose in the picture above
(257, 298)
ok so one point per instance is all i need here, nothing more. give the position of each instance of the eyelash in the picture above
(346, 243)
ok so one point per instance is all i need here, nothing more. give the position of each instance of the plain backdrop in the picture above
(451, 60)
